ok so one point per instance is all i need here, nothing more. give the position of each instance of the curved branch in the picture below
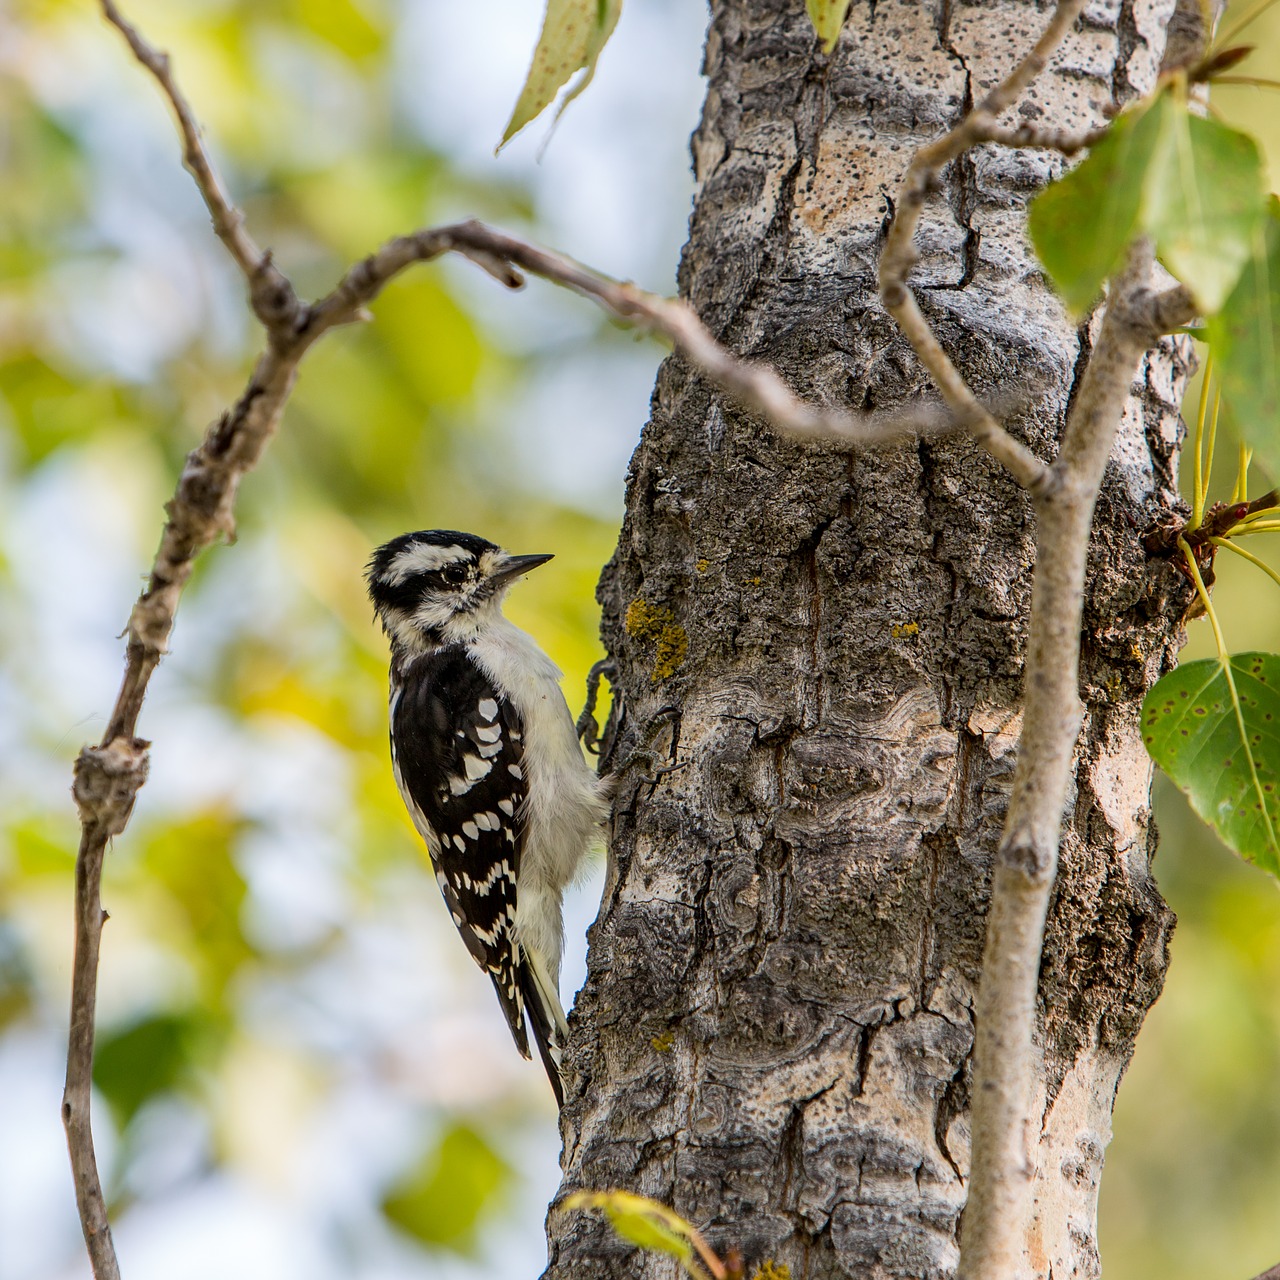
(899, 254)
(993, 1237)
(228, 221)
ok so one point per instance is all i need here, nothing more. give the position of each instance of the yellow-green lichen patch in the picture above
(658, 624)
(703, 565)
(770, 1270)
(663, 1042)
(902, 630)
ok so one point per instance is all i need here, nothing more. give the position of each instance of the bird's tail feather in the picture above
(511, 998)
(546, 1017)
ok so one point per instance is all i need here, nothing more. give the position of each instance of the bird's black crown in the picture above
(401, 571)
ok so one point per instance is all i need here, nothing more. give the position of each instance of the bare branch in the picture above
(899, 255)
(273, 299)
(757, 387)
(1030, 135)
(1271, 1273)
(1032, 474)
(1169, 311)
(994, 1234)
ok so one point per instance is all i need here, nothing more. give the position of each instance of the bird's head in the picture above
(439, 586)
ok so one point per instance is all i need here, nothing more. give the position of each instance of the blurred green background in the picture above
(299, 1070)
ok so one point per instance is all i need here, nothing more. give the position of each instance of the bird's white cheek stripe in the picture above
(422, 557)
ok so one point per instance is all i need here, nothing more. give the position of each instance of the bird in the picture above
(488, 764)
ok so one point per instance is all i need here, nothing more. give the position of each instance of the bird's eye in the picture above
(455, 574)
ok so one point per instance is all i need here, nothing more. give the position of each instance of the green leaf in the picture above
(1194, 185)
(647, 1233)
(828, 17)
(646, 1223)
(573, 34)
(150, 1057)
(444, 1199)
(1245, 337)
(1082, 224)
(1205, 200)
(1214, 728)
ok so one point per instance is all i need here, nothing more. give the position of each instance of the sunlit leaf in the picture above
(1205, 201)
(1082, 224)
(647, 1233)
(574, 32)
(828, 17)
(444, 1199)
(1245, 336)
(1214, 728)
(646, 1223)
(1194, 185)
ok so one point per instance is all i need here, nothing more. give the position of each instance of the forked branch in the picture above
(993, 1240)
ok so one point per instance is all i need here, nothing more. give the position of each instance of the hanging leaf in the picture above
(828, 17)
(1205, 202)
(647, 1224)
(1082, 224)
(1214, 728)
(574, 32)
(1245, 337)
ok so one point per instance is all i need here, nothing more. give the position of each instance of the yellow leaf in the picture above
(573, 34)
(828, 17)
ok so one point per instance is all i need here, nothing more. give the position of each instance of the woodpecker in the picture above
(488, 764)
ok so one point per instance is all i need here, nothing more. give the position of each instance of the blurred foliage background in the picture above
(299, 1070)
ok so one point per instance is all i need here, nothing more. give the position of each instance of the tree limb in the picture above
(994, 1235)
(994, 1232)
(1031, 135)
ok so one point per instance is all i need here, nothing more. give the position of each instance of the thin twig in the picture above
(1031, 135)
(994, 1236)
(899, 255)
(756, 387)
(228, 221)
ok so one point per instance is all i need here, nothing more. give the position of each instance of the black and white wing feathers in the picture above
(458, 749)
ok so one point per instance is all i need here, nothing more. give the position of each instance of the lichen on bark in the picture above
(795, 913)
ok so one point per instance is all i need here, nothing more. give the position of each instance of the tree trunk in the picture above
(820, 657)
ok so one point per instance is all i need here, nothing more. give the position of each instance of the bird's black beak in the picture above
(514, 567)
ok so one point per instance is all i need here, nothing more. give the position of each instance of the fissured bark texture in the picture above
(820, 656)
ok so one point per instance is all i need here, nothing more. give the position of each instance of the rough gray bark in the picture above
(820, 655)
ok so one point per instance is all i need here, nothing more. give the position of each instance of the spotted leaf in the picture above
(1214, 728)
